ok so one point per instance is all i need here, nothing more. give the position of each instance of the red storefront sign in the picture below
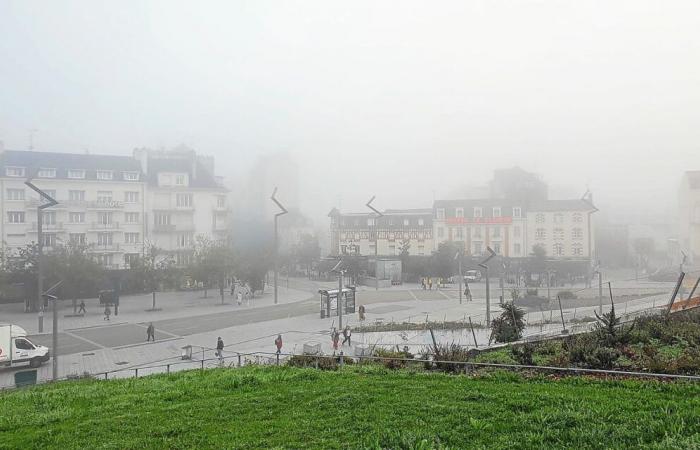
(478, 220)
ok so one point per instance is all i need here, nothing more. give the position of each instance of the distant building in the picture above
(113, 204)
(358, 233)
(562, 227)
(689, 215)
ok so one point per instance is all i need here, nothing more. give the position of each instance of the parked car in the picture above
(472, 275)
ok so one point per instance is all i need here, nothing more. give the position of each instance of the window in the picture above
(184, 240)
(131, 217)
(392, 249)
(497, 247)
(516, 249)
(577, 234)
(440, 213)
(517, 212)
(104, 238)
(23, 344)
(539, 218)
(76, 217)
(104, 196)
(459, 212)
(558, 234)
(496, 232)
(182, 259)
(130, 259)
(15, 217)
(540, 234)
(440, 232)
(104, 174)
(558, 218)
(76, 173)
(46, 173)
(477, 232)
(14, 171)
(496, 211)
(370, 222)
(577, 250)
(161, 219)
(77, 238)
(49, 239)
(49, 217)
(478, 212)
(131, 176)
(516, 231)
(558, 248)
(577, 217)
(105, 260)
(104, 218)
(476, 247)
(183, 200)
(131, 238)
(50, 192)
(131, 197)
(421, 222)
(15, 194)
(76, 196)
(406, 222)
(220, 201)
(458, 234)
(179, 180)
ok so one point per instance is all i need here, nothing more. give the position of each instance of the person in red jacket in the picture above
(278, 343)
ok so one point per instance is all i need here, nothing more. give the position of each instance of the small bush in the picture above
(395, 360)
(443, 354)
(523, 354)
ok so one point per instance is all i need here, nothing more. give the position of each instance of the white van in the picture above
(15, 348)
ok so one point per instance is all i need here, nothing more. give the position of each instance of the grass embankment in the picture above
(360, 407)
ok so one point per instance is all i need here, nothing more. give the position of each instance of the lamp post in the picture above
(376, 240)
(458, 257)
(282, 212)
(483, 264)
(340, 303)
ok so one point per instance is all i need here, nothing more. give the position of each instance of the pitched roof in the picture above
(562, 205)
(63, 162)
(202, 179)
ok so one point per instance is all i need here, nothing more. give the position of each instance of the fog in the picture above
(404, 100)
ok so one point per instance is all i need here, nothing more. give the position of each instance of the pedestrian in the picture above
(220, 348)
(430, 284)
(233, 289)
(422, 282)
(336, 339)
(107, 313)
(346, 335)
(81, 308)
(239, 299)
(468, 293)
(150, 332)
(361, 313)
(278, 343)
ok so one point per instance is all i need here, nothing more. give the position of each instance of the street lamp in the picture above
(483, 264)
(458, 257)
(376, 240)
(340, 303)
(282, 212)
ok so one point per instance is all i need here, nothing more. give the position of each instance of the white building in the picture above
(109, 202)
(562, 228)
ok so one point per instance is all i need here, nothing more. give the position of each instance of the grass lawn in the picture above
(359, 407)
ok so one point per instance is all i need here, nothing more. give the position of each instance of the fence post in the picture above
(239, 360)
(316, 362)
(105, 375)
(202, 364)
(136, 372)
(168, 369)
(278, 359)
(341, 360)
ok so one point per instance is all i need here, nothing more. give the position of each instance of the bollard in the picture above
(341, 360)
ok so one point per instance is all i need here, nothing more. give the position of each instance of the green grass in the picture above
(360, 407)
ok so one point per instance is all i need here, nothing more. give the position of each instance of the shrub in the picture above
(509, 326)
(395, 359)
(323, 363)
(443, 354)
(523, 354)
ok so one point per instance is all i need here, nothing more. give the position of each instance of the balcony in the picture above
(101, 226)
(46, 227)
(105, 204)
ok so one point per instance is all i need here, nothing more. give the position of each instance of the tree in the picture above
(443, 264)
(509, 326)
(78, 271)
(157, 267)
(214, 262)
(404, 254)
(307, 252)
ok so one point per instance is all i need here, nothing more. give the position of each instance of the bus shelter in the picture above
(329, 301)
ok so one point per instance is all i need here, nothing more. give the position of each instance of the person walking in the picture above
(81, 307)
(430, 284)
(361, 313)
(239, 299)
(335, 336)
(346, 335)
(422, 282)
(107, 313)
(220, 348)
(278, 343)
(150, 333)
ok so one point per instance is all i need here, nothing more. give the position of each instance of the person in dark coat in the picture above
(150, 333)
(81, 307)
(346, 335)
(220, 348)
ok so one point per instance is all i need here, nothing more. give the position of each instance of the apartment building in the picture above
(358, 233)
(109, 203)
(562, 228)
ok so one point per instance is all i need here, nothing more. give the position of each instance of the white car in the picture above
(472, 275)
(15, 348)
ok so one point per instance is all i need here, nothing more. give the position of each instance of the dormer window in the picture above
(76, 174)
(46, 173)
(131, 176)
(14, 171)
(517, 211)
(104, 174)
(496, 211)
(180, 180)
(478, 212)
(459, 212)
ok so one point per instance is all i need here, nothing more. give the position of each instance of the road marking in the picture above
(84, 339)
(413, 295)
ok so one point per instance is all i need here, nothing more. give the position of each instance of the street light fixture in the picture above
(376, 240)
(484, 264)
(282, 212)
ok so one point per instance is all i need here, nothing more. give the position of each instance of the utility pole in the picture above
(458, 257)
(282, 212)
(484, 265)
(376, 240)
(600, 292)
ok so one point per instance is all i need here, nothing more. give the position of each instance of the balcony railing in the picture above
(56, 226)
(102, 248)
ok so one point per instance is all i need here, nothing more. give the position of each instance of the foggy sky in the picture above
(403, 100)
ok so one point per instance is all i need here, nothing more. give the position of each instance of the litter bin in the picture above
(187, 352)
(25, 378)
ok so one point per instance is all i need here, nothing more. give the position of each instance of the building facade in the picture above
(108, 203)
(358, 233)
(689, 215)
(562, 228)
